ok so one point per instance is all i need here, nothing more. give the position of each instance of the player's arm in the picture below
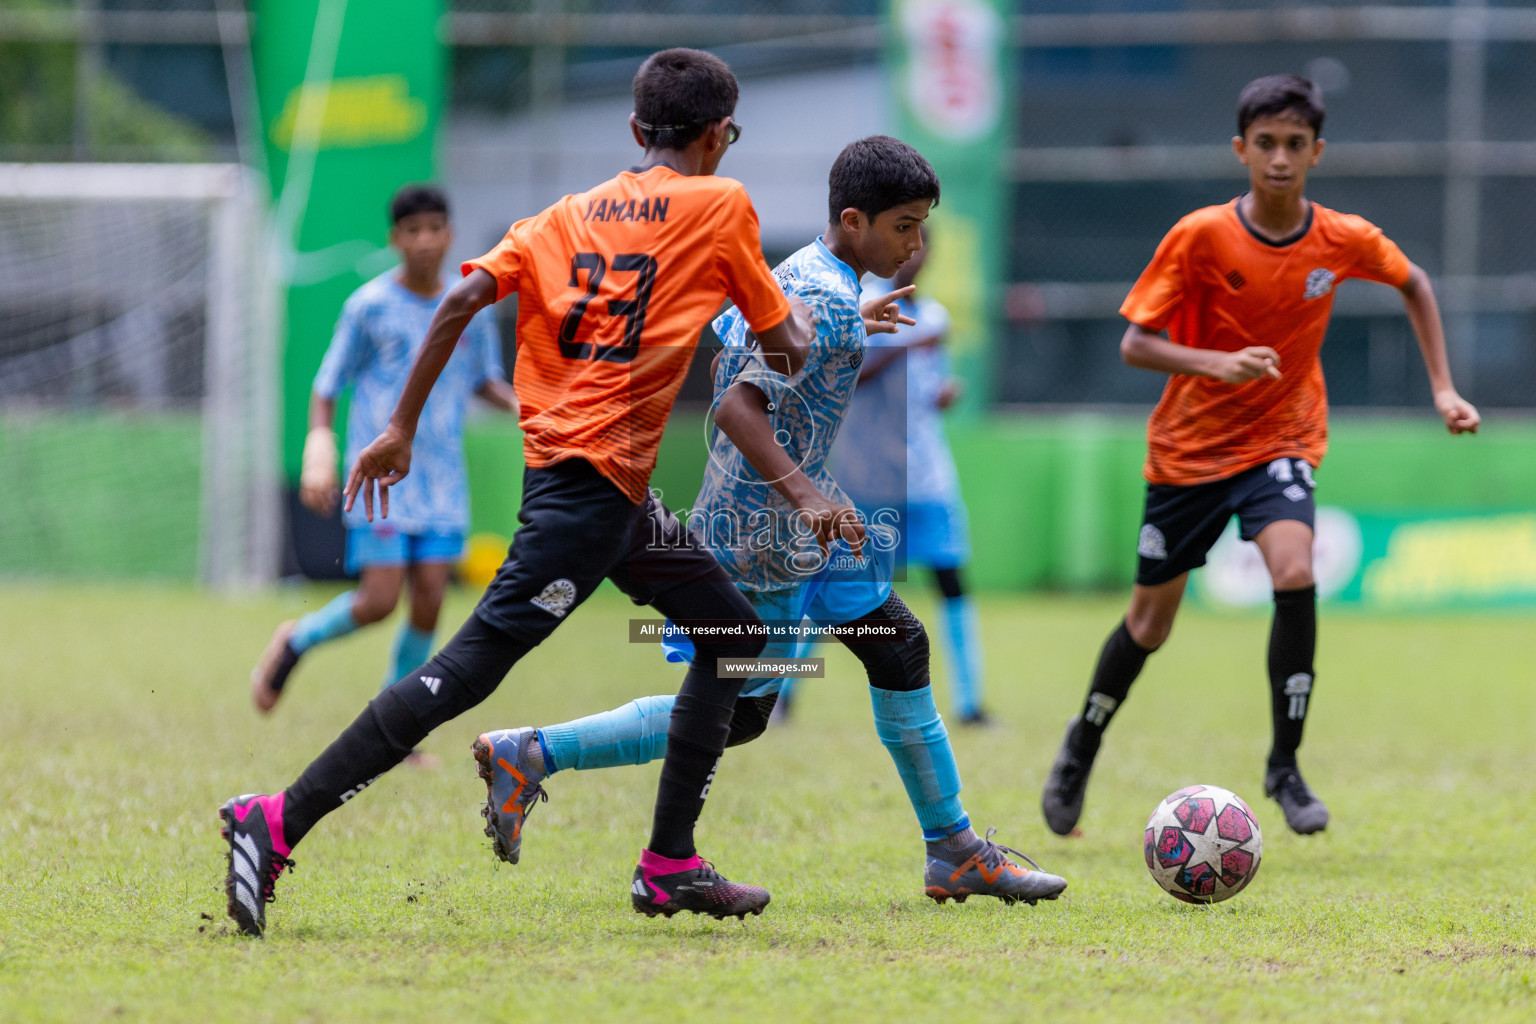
(1424, 315)
(319, 486)
(1148, 350)
(742, 415)
(500, 394)
(387, 460)
(788, 342)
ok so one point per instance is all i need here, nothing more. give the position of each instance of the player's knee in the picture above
(372, 606)
(1149, 627)
(1293, 575)
(950, 584)
(900, 665)
(750, 719)
(744, 647)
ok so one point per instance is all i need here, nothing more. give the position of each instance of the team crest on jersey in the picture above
(556, 598)
(1152, 544)
(1319, 283)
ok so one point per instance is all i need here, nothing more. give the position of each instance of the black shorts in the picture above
(579, 529)
(1181, 524)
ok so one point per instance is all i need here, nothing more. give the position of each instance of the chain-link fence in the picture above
(1124, 111)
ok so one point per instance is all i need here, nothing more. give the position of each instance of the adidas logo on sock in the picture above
(432, 683)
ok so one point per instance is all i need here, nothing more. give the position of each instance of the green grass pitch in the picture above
(125, 722)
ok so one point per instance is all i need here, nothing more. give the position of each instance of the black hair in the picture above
(417, 199)
(876, 173)
(679, 92)
(1281, 94)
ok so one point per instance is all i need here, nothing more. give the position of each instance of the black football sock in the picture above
(696, 737)
(1120, 662)
(701, 720)
(1292, 645)
(465, 672)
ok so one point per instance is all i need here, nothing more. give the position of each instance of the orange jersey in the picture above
(1215, 284)
(614, 286)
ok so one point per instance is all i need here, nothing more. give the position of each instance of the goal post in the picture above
(138, 374)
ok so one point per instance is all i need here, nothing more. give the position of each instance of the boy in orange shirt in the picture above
(614, 286)
(1244, 291)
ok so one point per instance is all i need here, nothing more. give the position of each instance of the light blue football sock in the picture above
(908, 723)
(635, 733)
(330, 622)
(962, 652)
(411, 649)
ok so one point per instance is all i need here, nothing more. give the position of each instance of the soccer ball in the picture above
(1203, 844)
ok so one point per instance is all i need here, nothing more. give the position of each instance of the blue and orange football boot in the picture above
(258, 853)
(512, 787)
(983, 869)
(666, 886)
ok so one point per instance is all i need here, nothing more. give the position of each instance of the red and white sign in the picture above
(953, 83)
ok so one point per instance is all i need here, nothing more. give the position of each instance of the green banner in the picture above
(950, 74)
(350, 96)
(1393, 563)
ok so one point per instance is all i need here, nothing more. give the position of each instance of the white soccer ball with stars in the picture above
(1203, 844)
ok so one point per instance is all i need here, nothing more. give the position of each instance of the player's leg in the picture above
(1179, 526)
(959, 863)
(962, 645)
(1279, 517)
(379, 558)
(427, 578)
(671, 571)
(938, 536)
(576, 525)
(412, 646)
(514, 763)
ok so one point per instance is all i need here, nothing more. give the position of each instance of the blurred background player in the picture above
(767, 470)
(382, 328)
(892, 454)
(1244, 291)
(660, 247)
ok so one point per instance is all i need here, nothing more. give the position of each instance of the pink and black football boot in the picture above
(258, 853)
(666, 886)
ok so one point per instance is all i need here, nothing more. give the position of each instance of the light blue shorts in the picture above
(937, 535)
(379, 544)
(847, 589)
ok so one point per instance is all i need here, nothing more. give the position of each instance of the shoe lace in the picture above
(275, 866)
(535, 795)
(993, 854)
(1293, 788)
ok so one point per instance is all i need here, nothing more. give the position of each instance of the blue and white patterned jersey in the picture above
(749, 526)
(381, 329)
(894, 450)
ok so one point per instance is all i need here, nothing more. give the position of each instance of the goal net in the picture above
(138, 374)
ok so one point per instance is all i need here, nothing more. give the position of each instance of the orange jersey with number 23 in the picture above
(614, 286)
(1216, 284)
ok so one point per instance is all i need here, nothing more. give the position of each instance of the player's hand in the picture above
(832, 521)
(385, 462)
(1460, 416)
(949, 393)
(319, 487)
(882, 315)
(1249, 364)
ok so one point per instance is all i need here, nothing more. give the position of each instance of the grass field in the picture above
(125, 722)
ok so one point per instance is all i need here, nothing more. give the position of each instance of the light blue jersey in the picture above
(894, 450)
(931, 475)
(752, 529)
(381, 329)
